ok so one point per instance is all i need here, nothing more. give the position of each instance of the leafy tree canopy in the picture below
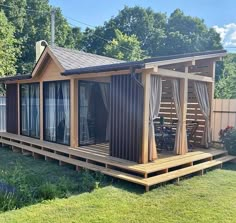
(158, 35)
(225, 87)
(124, 47)
(9, 49)
(31, 19)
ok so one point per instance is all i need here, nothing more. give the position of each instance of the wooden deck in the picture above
(168, 167)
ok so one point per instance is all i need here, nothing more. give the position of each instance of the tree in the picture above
(9, 49)
(225, 87)
(188, 34)
(158, 35)
(145, 24)
(31, 19)
(124, 47)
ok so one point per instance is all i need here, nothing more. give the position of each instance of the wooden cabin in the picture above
(102, 114)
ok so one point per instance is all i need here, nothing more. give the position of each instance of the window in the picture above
(57, 112)
(30, 110)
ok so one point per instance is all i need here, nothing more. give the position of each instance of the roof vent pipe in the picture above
(40, 46)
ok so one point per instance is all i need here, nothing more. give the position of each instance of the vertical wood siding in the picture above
(126, 118)
(224, 114)
(2, 114)
(12, 109)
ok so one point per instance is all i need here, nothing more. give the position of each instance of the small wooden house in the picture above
(99, 113)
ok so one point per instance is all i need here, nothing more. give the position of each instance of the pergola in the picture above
(192, 80)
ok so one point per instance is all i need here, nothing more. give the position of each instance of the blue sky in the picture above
(217, 13)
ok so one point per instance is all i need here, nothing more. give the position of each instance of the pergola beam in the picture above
(177, 74)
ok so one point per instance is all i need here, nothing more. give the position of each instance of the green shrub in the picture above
(229, 141)
(87, 181)
(48, 191)
(8, 201)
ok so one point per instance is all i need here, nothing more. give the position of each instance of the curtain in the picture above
(34, 110)
(180, 147)
(204, 103)
(85, 92)
(154, 108)
(105, 90)
(25, 114)
(37, 118)
(30, 110)
(51, 112)
(66, 104)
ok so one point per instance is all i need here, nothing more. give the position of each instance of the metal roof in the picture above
(73, 59)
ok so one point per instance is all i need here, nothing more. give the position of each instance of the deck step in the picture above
(187, 170)
(184, 161)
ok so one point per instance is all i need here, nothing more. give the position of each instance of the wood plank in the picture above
(179, 162)
(185, 171)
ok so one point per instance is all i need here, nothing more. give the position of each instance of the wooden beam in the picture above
(74, 113)
(183, 102)
(177, 74)
(192, 59)
(146, 78)
(211, 91)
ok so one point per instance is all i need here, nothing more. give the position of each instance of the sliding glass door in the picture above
(29, 104)
(94, 106)
(57, 112)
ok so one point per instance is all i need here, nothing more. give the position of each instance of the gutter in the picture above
(105, 68)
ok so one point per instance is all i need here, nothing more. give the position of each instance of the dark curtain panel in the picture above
(126, 117)
(12, 109)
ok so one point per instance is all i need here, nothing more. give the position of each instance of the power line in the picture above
(83, 23)
(44, 12)
(106, 40)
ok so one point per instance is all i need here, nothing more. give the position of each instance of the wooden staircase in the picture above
(147, 175)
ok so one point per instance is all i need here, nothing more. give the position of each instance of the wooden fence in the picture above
(224, 114)
(2, 114)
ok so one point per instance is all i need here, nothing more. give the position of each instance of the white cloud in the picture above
(227, 34)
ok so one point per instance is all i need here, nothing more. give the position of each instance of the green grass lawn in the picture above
(209, 198)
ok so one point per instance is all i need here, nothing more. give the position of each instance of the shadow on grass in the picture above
(36, 180)
(229, 166)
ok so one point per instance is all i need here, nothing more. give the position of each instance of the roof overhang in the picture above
(150, 62)
(15, 78)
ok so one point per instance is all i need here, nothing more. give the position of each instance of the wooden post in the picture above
(211, 91)
(41, 109)
(146, 76)
(184, 103)
(74, 113)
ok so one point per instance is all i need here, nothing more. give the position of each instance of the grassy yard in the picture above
(210, 198)
(25, 181)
